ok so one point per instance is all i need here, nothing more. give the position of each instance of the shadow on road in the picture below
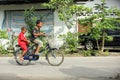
(13, 62)
(9, 76)
(83, 73)
(44, 63)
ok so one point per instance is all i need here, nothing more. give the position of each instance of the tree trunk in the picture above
(103, 41)
(98, 47)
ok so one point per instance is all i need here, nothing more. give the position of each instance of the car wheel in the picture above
(89, 45)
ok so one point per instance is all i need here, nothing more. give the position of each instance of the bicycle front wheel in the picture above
(17, 54)
(55, 57)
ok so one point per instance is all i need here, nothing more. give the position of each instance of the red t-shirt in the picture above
(21, 39)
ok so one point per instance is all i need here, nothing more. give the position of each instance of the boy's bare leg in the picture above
(37, 50)
(22, 54)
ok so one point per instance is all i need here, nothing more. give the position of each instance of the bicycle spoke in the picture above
(55, 57)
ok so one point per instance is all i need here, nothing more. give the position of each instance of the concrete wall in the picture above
(1, 17)
(15, 7)
(58, 25)
(19, 6)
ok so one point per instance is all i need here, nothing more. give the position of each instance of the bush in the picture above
(3, 34)
(89, 52)
(71, 42)
(3, 50)
(30, 19)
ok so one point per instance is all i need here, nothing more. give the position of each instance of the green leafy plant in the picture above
(3, 50)
(104, 23)
(3, 34)
(101, 24)
(66, 10)
(71, 42)
(30, 18)
(87, 21)
(89, 53)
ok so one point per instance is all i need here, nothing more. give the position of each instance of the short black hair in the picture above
(38, 21)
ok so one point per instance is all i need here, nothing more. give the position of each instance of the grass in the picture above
(6, 55)
(80, 53)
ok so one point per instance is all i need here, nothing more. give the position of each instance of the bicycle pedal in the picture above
(26, 57)
(30, 57)
(34, 57)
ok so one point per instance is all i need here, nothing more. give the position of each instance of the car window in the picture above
(111, 32)
(118, 29)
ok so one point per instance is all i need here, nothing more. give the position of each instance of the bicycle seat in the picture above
(17, 45)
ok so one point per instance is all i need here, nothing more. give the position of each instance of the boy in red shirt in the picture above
(23, 42)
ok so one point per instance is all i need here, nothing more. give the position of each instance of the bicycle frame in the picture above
(53, 56)
(43, 50)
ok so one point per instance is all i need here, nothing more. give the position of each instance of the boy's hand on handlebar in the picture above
(43, 34)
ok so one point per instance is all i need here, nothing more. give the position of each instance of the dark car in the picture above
(90, 43)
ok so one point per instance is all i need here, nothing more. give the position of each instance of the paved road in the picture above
(73, 68)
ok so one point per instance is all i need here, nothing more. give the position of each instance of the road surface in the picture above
(73, 68)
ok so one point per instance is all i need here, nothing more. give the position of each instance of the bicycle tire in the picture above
(17, 54)
(55, 57)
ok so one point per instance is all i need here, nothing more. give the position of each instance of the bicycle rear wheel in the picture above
(17, 58)
(55, 57)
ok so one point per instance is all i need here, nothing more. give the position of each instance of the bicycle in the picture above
(53, 55)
